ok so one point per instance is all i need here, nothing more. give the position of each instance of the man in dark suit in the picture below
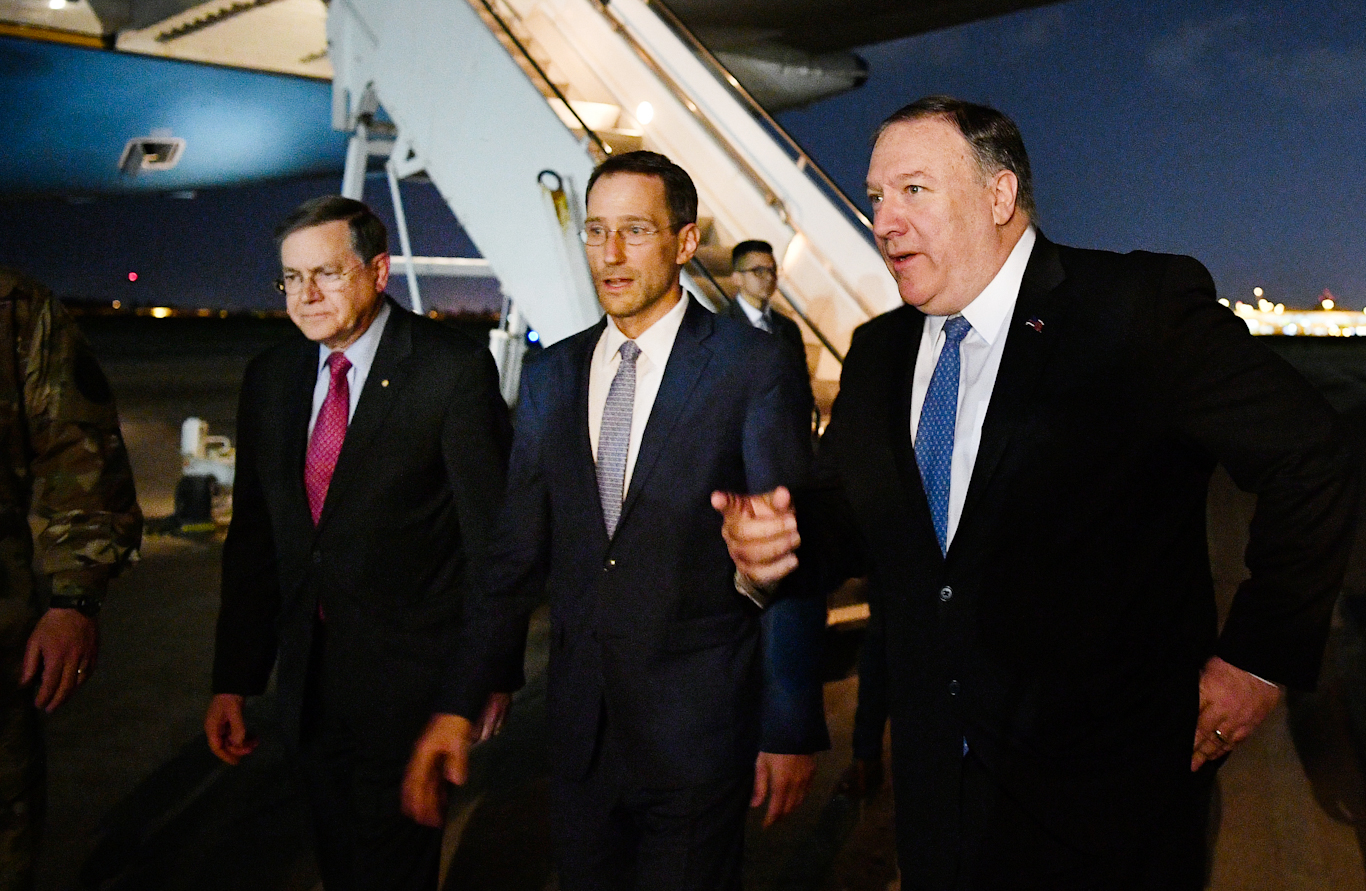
(659, 704)
(1019, 460)
(756, 274)
(370, 464)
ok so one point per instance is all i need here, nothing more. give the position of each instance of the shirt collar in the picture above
(753, 314)
(362, 352)
(990, 311)
(656, 342)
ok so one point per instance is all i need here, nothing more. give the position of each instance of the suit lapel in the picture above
(1030, 338)
(386, 380)
(687, 360)
(581, 444)
(296, 412)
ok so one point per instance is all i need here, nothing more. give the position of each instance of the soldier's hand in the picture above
(227, 729)
(62, 649)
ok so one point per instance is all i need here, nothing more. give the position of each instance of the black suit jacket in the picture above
(1064, 632)
(413, 497)
(647, 629)
(788, 332)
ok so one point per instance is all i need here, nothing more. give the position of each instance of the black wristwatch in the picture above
(86, 604)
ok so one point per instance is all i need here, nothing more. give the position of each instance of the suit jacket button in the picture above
(953, 688)
(946, 594)
(609, 564)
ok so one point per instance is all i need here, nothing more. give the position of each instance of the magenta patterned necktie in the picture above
(328, 433)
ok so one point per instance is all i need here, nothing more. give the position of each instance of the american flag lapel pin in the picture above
(1036, 324)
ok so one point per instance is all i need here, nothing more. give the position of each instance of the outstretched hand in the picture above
(1233, 703)
(760, 532)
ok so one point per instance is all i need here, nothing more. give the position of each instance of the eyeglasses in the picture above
(326, 278)
(767, 271)
(634, 234)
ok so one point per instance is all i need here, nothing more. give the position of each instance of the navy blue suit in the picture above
(1064, 632)
(653, 653)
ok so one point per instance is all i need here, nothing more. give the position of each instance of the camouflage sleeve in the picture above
(84, 513)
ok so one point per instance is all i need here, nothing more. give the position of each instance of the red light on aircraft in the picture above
(132, 276)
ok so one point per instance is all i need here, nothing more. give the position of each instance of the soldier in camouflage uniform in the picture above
(68, 514)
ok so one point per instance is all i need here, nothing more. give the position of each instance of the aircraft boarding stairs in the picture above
(506, 105)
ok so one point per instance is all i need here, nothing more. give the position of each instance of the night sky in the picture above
(1233, 131)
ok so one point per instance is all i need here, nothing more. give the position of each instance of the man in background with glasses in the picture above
(755, 271)
(659, 701)
(371, 455)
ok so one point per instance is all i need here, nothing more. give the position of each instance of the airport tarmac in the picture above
(138, 802)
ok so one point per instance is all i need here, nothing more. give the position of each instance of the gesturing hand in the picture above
(760, 532)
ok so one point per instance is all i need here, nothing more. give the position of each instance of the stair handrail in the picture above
(804, 161)
(603, 150)
(771, 198)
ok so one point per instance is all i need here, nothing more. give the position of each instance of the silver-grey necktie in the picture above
(614, 437)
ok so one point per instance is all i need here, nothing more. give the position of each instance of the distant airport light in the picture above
(645, 112)
(161, 312)
(132, 276)
(1327, 303)
(1223, 301)
(117, 304)
(1280, 309)
(532, 336)
(1256, 292)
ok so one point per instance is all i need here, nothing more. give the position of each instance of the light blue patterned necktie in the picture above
(934, 435)
(614, 437)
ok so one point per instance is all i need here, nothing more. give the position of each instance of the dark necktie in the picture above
(328, 433)
(934, 434)
(614, 437)
(765, 322)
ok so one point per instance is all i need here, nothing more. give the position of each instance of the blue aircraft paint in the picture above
(68, 112)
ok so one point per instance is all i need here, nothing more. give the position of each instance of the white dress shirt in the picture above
(361, 355)
(655, 345)
(757, 317)
(980, 357)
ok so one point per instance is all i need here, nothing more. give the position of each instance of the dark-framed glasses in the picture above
(761, 271)
(634, 234)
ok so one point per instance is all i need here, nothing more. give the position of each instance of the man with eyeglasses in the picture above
(756, 276)
(371, 455)
(665, 720)
(755, 271)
